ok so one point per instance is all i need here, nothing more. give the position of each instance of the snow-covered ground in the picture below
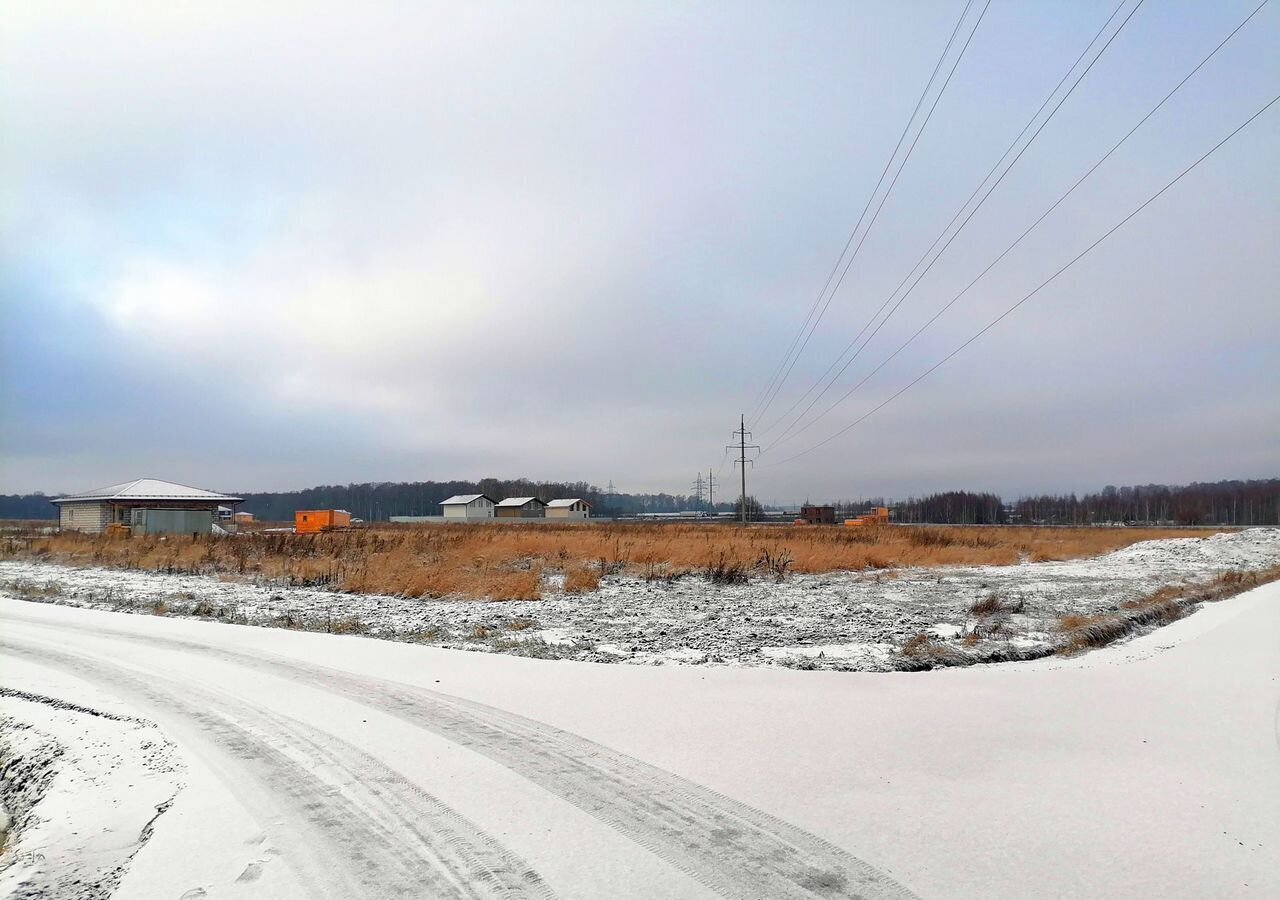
(851, 621)
(83, 787)
(317, 765)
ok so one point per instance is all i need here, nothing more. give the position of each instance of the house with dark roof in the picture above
(520, 508)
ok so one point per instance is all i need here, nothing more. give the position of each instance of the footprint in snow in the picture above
(252, 872)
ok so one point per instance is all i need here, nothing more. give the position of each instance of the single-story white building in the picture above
(520, 508)
(465, 507)
(572, 508)
(146, 505)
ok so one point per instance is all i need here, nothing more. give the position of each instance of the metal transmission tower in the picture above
(742, 447)
(711, 491)
(699, 488)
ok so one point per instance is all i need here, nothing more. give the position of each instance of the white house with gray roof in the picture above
(145, 505)
(468, 507)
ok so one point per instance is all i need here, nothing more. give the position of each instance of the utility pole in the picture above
(742, 447)
(711, 490)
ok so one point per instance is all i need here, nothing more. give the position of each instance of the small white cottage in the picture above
(572, 508)
(468, 507)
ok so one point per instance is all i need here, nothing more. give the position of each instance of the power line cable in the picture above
(789, 434)
(876, 215)
(889, 162)
(723, 460)
(1037, 290)
(785, 367)
(831, 382)
(957, 215)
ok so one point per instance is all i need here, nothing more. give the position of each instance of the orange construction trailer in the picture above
(879, 515)
(314, 521)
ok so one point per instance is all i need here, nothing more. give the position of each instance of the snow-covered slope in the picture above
(320, 765)
(83, 785)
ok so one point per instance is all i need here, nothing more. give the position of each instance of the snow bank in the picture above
(83, 787)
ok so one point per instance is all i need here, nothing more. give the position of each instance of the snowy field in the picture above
(847, 621)
(323, 766)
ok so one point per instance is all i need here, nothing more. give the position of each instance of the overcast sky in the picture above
(271, 245)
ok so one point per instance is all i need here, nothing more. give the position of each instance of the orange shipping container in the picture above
(313, 521)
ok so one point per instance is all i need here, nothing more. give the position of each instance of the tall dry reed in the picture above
(507, 561)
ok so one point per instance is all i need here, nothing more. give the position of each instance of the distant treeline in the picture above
(378, 501)
(27, 506)
(1219, 503)
(946, 508)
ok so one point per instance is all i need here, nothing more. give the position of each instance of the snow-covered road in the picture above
(315, 765)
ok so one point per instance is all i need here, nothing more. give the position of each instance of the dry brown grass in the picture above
(581, 579)
(987, 606)
(1165, 605)
(507, 561)
(1071, 623)
(917, 644)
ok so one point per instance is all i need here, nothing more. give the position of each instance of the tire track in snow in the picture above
(473, 852)
(732, 848)
(395, 839)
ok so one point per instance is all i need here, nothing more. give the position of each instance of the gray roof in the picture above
(464, 499)
(143, 489)
(569, 502)
(520, 501)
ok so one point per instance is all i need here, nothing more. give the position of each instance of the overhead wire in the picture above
(1032, 293)
(852, 234)
(832, 379)
(770, 392)
(879, 207)
(1165, 99)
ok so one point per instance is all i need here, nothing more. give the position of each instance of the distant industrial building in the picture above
(143, 506)
(572, 508)
(468, 507)
(520, 508)
(817, 515)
